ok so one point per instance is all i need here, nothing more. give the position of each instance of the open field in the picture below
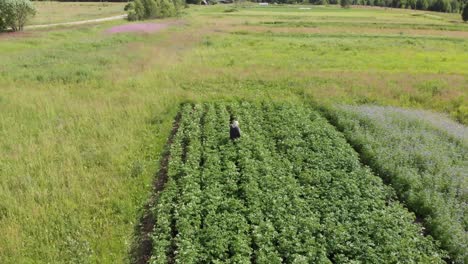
(85, 114)
(60, 12)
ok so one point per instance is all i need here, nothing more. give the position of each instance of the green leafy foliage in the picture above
(345, 3)
(128, 6)
(15, 13)
(422, 4)
(3, 24)
(149, 9)
(423, 157)
(465, 13)
(290, 190)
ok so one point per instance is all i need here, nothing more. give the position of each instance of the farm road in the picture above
(97, 20)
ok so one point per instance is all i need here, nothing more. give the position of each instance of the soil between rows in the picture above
(140, 252)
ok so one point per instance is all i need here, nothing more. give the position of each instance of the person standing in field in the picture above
(234, 131)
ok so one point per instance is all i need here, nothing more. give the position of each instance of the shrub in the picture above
(441, 6)
(3, 15)
(15, 13)
(465, 13)
(166, 8)
(345, 3)
(178, 4)
(148, 9)
(422, 4)
(3, 25)
(128, 6)
(139, 10)
(455, 6)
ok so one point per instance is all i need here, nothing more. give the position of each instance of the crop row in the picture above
(423, 157)
(290, 190)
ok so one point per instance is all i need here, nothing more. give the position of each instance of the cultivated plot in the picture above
(290, 190)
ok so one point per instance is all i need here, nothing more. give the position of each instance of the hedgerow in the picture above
(290, 190)
(424, 158)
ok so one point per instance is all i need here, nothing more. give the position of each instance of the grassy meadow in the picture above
(49, 12)
(84, 115)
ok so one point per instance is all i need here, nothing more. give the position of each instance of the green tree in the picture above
(136, 11)
(441, 6)
(422, 4)
(165, 8)
(178, 5)
(151, 9)
(465, 13)
(378, 3)
(455, 6)
(15, 14)
(345, 3)
(148, 9)
(3, 24)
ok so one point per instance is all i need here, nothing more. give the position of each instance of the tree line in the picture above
(448, 6)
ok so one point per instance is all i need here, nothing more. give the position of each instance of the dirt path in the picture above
(97, 20)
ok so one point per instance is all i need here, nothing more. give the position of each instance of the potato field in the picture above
(290, 190)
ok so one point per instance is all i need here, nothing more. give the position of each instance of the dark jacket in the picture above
(234, 132)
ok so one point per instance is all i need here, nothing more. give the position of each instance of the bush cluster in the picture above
(148, 9)
(15, 13)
